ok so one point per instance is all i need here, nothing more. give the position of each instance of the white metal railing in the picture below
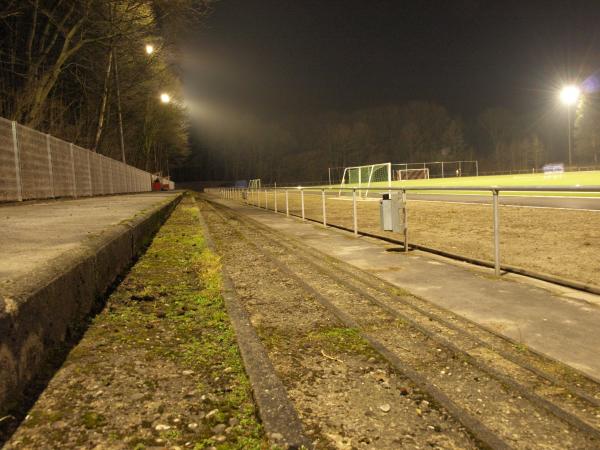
(34, 165)
(255, 197)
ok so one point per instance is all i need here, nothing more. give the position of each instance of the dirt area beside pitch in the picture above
(560, 242)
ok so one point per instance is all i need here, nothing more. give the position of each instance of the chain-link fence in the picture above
(35, 165)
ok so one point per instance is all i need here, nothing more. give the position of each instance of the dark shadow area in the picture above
(397, 249)
(56, 357)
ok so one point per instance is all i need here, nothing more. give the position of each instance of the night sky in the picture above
(280, 57)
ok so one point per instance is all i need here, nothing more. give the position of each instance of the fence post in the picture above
(302, 202)
(405, 220)
(287, 204)
(73, 170)
(324, 208)
(496, 233)
(354, 212)
(17, 162)
(266, 200)
(275, 199)
(50, 171)
(90, 175)
(110, 178)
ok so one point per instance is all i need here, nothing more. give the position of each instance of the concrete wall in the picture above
(44, 315)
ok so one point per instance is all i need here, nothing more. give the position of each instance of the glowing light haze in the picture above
(570, 94)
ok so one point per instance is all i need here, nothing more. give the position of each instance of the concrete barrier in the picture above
(43, 311)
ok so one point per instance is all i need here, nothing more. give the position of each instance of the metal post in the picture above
(17, 163)
(324, 208)
(119, 111)
(275, 193)
(302, 202)
(442, 169)
(266, 200)
(287, 204)
(405, 212)
(354, 213)
(73, 171)
(569, 127)
(496, 233)
(389, 173)
(50, 171)
(90, 173)
(476, 168)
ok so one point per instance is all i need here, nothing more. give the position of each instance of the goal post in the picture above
(367, 177)
(254, 184)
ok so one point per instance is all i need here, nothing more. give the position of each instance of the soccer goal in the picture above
(367, 177)
(254, 184)
(412, 174)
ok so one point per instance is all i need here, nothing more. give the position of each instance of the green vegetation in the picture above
(200, 337)
(340, 340)
(159, 366)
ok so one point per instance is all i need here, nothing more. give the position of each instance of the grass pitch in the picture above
(530, 180)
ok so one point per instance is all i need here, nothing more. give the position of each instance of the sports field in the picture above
(566, 179)
(559, 242)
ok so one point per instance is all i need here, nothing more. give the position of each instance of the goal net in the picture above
(366, 177)
(411, 174)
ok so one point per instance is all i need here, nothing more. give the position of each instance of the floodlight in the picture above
(570, 94)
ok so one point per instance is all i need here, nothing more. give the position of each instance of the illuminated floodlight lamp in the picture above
(149, 49)
(569, 94)
(165, 98)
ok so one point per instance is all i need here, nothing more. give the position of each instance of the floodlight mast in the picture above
(569, 95)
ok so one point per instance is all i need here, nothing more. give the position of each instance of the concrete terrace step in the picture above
(58, 257)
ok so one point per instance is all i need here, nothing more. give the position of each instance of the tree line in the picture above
(302, 148)
(79, 69)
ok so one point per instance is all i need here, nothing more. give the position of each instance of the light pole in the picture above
(569, 95)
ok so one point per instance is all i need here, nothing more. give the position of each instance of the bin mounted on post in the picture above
(392, 210)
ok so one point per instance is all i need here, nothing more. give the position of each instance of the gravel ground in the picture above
(346, 395)
(158, 367)
(565, 243)
(502, 409)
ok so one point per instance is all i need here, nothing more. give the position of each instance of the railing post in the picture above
(405, 212)
(302, 202)
(275, 199)
(354, 212)
(17, 162)
(324, 208)
(496, 233)
(287, 204)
